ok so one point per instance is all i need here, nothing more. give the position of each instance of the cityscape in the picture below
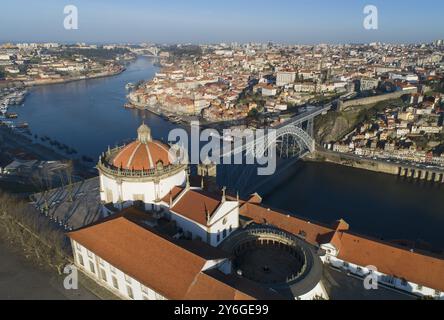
(222, 165)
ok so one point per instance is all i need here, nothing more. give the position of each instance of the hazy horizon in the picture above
(197, 21)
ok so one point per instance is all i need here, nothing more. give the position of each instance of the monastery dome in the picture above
(142, 154)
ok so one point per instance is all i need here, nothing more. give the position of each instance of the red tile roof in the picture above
(208, 288)
(390, 259)
(174, 193)
(141, 156)
(215, 285)
(153, 260)
(195, 205)
(312, 231)
(172, 268)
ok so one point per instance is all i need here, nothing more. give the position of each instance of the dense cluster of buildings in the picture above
(408, 133)
(188, 86)
(226, 82)
(41, 63)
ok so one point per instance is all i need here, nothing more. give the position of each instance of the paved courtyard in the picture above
(268, 264)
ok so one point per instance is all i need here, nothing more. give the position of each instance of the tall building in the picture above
(284, 77)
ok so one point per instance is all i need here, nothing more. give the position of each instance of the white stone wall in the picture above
(226, 216)
(223, 265)
(384, 279)
(318, 292)
(128, 190)
(124, 282)
(187, 225)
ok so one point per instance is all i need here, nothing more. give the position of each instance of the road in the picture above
(21, 280)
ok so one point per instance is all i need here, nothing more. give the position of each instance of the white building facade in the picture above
(108, 276)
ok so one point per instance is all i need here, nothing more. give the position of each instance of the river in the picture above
(89, 115)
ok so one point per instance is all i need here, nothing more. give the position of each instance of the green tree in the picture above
(254, 113)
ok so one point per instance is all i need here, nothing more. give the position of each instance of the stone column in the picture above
(416, 174)
(429, 176)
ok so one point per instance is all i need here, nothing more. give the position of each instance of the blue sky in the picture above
(169, 21)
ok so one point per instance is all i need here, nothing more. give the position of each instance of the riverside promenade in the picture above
(392, 167)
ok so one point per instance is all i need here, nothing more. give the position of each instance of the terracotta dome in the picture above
(142, 154)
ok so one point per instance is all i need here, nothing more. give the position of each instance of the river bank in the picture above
(44, 82)
(394, 168)
(184, 120)
(15, 144)
(179, 119)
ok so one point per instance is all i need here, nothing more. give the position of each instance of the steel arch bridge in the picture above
(304, 140)
(293, 139)
(294, 127)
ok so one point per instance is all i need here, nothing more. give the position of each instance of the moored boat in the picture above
(130, 86)
(22, 125)
(11, 115)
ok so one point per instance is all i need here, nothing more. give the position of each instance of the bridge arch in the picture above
(302, 137)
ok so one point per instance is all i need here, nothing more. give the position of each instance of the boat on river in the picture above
(22, 125)
(176, 120)
(11, 115)
(130, 86)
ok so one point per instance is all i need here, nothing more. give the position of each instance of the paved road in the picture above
(20, 280)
